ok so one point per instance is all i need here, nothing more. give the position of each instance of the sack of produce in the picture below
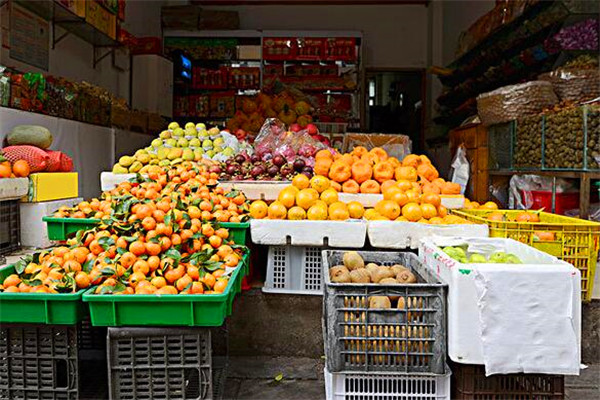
(33, 135)
(575, 85)
(35, 157)
(54, 158)
(511, 102)
(66, 163)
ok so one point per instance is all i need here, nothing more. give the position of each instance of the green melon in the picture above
(33, 135)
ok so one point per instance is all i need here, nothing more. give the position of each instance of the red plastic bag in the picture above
(54, 158)
(66, 163)
(35, 157)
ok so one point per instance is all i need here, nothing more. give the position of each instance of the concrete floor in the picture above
(254, 378)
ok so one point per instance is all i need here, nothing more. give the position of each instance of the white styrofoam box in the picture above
(464, 326)
(109, 181)
(13, 188)
(152, 84)
(350, 233)
(294, 270)
(402, 235)
(33, 230)
(267, 191)
(453, 201)
(366, 199)
(385, 386)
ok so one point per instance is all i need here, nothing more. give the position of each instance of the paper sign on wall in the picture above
(29, 37)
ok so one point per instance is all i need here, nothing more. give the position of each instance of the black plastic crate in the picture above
(155, 363)
(10, 226)
(409, 338)
(470, 383)
(39, 362)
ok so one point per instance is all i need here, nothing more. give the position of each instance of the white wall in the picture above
(395, 35)
(73, 58)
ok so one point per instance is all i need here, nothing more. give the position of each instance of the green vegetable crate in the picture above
(61, 228)
(164, 310)
(39, 308)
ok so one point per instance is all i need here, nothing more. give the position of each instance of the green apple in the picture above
(512, 259)
(195, 142)
(477, 259)
(173, 126)
(178, 132)
(498, 257)
(200, 126)
(190, 132)
(171, 142)
(210, 153)
(165, 134)
(190, 125)
(207, 144)
(156, 143)
(182, 142)
(228, 152)
(203, 134)
(218, 141)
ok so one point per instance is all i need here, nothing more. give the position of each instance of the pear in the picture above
(200, 126)
(218, 149)
(175, 153)
(477, 259)
(143, 158)
(182, 142)
(198, 154)
(171, 142)
(214, 131)
(135, 167)
(195, 142)
(219, 141)
(156, 143)
(190, 125)
(165, 135)
(188, 154)
(207, 144)
(119, 169)
(178, 132)
(210, 153)
(353, 260)
(162, 153)
(203, 134)
(126, 161)
(173, 126)
(228, 152)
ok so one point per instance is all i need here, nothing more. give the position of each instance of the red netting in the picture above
(66, 163)
(35, 157)
(54, 158)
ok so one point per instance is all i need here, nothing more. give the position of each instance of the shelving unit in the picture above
(60, 16)
(256, 38)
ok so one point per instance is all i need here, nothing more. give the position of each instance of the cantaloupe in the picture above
(32, 135)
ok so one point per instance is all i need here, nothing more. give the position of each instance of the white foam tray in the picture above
(34, 232)
(351, 233)
(452, 201)
(109, 181)
(267, 191)
(13, 188)
(403, 235)
(464, 326)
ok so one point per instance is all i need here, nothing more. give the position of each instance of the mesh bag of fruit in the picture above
(35, 157)
(53, 160)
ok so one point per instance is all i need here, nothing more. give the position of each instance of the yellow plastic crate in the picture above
(575, 241)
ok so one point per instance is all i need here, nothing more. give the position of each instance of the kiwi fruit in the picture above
(389, 281)
(406, 277)
(397, 268)
(379, 302)
(401, 303)
(353, 260)
(360, 275)
(564, 138)
(339, 274)
(528, 146)
(379, 273)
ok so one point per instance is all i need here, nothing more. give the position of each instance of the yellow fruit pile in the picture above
(473, 205)
(312, 199)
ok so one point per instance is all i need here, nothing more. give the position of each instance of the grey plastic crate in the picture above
(10, 226)
(411, 339)
(294, 270)
(155, 363)
(38, 362)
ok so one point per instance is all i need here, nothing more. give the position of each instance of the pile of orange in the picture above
(189, 186)
(154, 238)
(18, 169)
(371, 171)
(401, 203)
(473, 205)
(313, 199)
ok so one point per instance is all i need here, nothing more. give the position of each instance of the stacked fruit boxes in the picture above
(385, 349)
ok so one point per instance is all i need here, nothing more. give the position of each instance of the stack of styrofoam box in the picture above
(294, 261)
(34, 232)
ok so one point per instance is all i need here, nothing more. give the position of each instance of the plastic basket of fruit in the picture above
(572, 240)
(164, 309)
(383, 312)
(37, 307)
(238, 231)
(61, 228)
(461, 262)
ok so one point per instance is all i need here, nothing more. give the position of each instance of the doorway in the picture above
(395, 103)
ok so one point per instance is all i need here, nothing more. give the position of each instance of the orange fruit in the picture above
(413, 196)
(496, 216)
(412, 212)
(259, 209)
(158, 282)
(400, 198)
(389, 191)
(287, 197)
(388, 208)
(276, 210)
(296, 213)
(436, 221)
(5, 171)
(307, 198)
(339, 213)
(82, 280)
(428, 210)
(355, 209)
(221, 285)
(317, 213)
(138, 248)
(404, 185)
(319, 183)
(490, 205)
(301, 181)
(442, 211)
(166, 290)
(21, 169)
(11, 280)
(371, 214)
(329, 196)
(432, 198)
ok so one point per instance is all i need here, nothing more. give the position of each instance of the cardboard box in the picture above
(46, 186)
(75, 6)
(101, 19)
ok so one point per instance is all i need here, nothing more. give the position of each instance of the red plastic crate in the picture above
(543, 199)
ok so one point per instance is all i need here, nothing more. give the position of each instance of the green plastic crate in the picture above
(61, 228)
(39, 308)
(237, 231)
(165, 310)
